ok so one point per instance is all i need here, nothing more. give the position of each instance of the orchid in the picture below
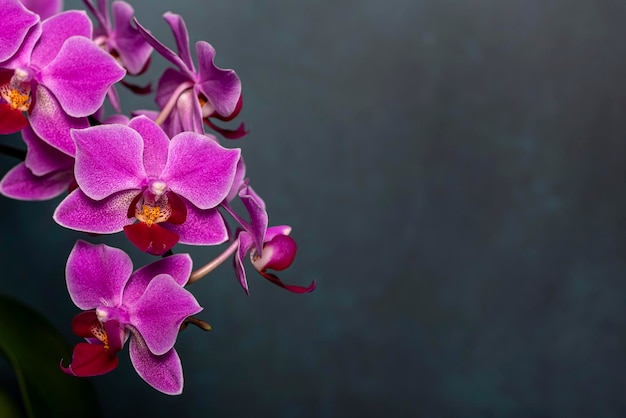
(118, 37)
(134, 172)
(279, 251)
(191, 96)
(57, 75)
(148, 305)
(156, 175)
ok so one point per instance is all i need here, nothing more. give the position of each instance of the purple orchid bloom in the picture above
(45, 173)
(44, 8)
(19, 23)
(191, 96)
(279, 250)
(148, 305)
(118, 37)
(136, 173)
(56, 74)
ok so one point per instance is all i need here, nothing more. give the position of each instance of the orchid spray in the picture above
(161, 177)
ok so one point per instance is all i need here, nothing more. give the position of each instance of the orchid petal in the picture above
(245, 243)
(186, 116)
(132, 47)
(153, 239)
(292, 288)
(21, 59)
(178, 266)
(114, 98)
(52, 124)
(177, 24)
(83, 323)
(221, 87)
(258, 215)
(278, 254)
(42, 158)
(232, 134)
(79, 212)
(164, 373)
(85, 267)
(202, 227)
(273, 231)
(44, 9)
(16, 22)
(91, 360)
(160, 311)
(168, 83)
(156, 144)
(167, 53)
(109, 159)
(238, 182)
(20, 183)
(55, 31)
(11, 120)
(204, 185)
(80, 76)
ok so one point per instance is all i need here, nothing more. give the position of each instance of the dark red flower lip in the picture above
(99, 355)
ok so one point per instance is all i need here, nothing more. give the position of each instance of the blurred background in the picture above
(453, 171)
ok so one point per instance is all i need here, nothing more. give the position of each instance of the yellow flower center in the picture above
(16, 94)
(18, 100)
(151, 214)
(99, 332)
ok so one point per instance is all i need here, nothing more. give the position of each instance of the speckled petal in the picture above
(202, 227)
(178, 266)
(81, 213)
(80, 76)
(52, 124)
(164, 373)
(205, 185)
(160, 311)
(109, 159)
(96, 275)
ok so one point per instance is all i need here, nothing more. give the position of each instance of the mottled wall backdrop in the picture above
(454, 174)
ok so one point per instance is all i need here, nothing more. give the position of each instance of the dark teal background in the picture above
(454, 174)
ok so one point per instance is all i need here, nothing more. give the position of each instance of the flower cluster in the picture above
(161, 176)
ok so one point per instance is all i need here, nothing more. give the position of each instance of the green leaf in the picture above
(9, 408)
(34, 349)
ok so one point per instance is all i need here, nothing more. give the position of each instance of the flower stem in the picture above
(213, 264)
(167, 109)
(203, 325)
